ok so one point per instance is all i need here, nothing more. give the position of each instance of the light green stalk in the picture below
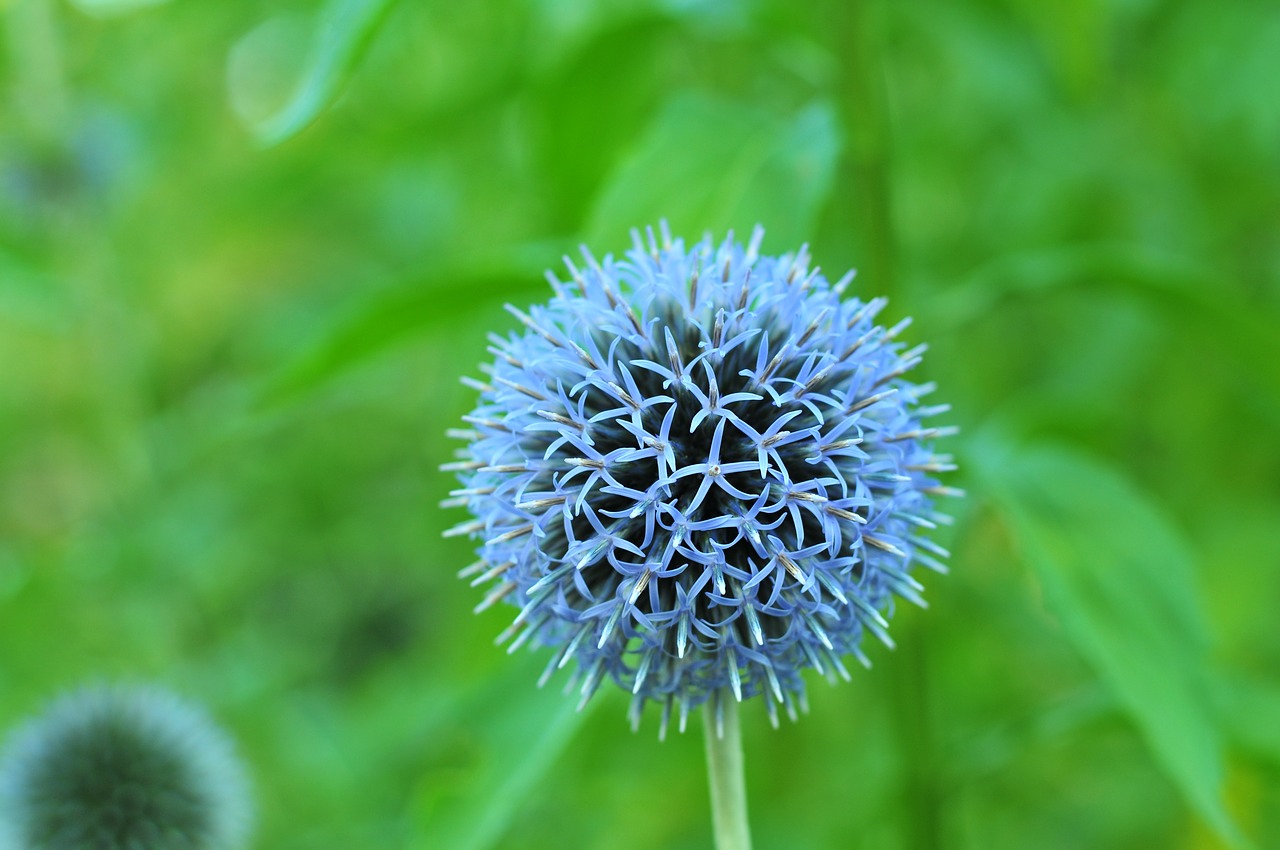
(726, 774)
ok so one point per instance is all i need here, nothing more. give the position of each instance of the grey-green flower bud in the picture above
(116, 768)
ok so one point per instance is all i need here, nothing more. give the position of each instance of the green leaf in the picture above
(110, 8)
(1249, 709)
(1196, 303)
(346, 29)
(509, 737)
(28, 294)
(369, 328)
(406, 311)
(711, 164)
(265, 66)
(1120, 579)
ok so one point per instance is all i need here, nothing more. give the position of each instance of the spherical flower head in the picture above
(114, 768)
(700, 471)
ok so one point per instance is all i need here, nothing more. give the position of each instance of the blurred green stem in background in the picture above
(36, 56)
(861, 203)
(726, 773)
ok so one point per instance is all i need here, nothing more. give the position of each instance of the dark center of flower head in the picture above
(700, 470)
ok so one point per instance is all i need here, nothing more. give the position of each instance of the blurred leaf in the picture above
(711, 164)
(264, 66)
(396, 314)
(346, 29)
(1121, 581)
(1249, 709)
(512, 734)
(29, 295)
(1196, 304)
(108, 8)
(1001, 746)
(367, 329)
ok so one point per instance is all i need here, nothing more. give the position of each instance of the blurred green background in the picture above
(247, 248)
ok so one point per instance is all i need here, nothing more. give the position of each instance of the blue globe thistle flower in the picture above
(699, 469)
(113, 768)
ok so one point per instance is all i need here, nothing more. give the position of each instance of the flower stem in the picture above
(726, 774)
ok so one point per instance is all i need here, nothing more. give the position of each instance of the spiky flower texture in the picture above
(116, 768)
(700, 471)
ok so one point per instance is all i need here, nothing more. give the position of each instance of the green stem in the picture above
(726, 774)
(861, 208)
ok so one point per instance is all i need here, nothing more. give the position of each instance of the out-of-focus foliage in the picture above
(246, 249)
